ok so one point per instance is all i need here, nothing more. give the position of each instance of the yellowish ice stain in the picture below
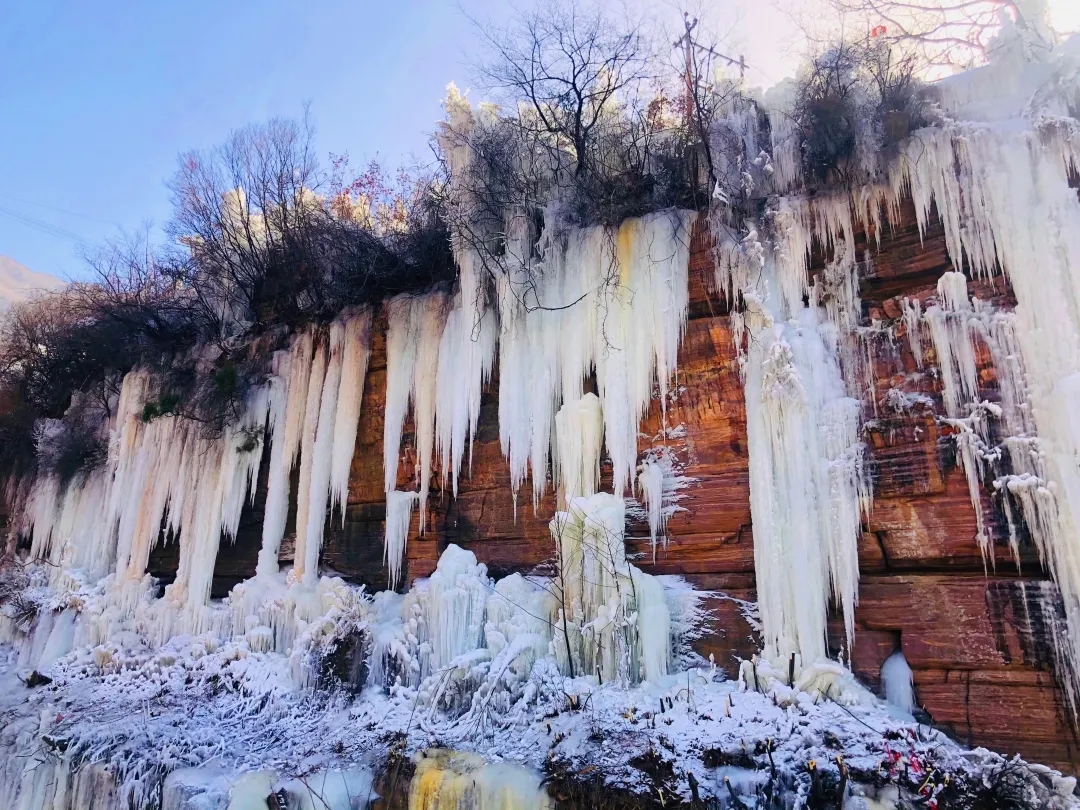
(625, 238)
(458, 780)
(436, 786)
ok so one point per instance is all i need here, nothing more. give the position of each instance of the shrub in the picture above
(854, 101)
(76, 443)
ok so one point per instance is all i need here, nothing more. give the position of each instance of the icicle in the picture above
(402, 341)
(660, 482)
(808, 490)
(399, 509)
(613, 301)
(897, 682)
(651, 482)
(579, 427)
(307, 450)
(952, 290)
(466, 357)
(1003, 195)
(288, 401)
(309, 534)
(912, 315)
(276, 508)
(644, 323)
(412, 348)
(433, 320)
(785, 148)
(354, 365)
(953, 345)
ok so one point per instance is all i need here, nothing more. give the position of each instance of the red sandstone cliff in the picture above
(976, 636)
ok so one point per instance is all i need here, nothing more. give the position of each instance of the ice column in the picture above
(613, 618)
(808, 491)
(412, 362)
(288, 399)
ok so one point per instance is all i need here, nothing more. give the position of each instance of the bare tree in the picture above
(567, 65)
(950, 34)
(262, 235)
(243, 215)
(585, 132)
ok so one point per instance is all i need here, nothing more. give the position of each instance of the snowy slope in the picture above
(18, 282)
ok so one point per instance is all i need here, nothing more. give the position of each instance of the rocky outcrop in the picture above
(979, 635)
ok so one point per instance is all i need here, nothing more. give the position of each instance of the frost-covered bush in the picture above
(853, 102)
(20, 592)
(638, 163)
(584, 130)
(66, 447)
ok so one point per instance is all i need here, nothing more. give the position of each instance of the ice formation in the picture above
(412, 363)
(399, 509)
(288, 397)
(808, 490)
(163, 474)
(1002, 190)
(579, 432)
(354, 363)
(449, 780)
(660, 483)
(586, 326)
(1003, 193)
(609, 301)
(160, 473)
(612, 618)
(897, 682)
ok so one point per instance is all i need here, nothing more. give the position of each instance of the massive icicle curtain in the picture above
(585, 333)
(1004, 196)
(609, 302)
(808, 487)
(1002, 191)
(164, 473)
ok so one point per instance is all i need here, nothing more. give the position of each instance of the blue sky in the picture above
(100, 98)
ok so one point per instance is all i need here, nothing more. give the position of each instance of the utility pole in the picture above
(687, 43)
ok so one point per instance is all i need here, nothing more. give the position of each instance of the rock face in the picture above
(17, 283)
(978, 636)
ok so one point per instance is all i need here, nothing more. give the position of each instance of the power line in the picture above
(687, 41)
(41, 225)
(57, 210)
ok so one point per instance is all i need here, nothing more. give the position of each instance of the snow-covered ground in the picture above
(231, 719)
